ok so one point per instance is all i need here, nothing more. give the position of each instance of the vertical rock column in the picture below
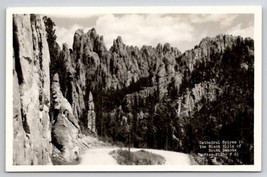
(31, 92)
(91, 114)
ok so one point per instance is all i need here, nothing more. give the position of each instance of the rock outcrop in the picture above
(91, 114)
(31, 121)
(65, 126)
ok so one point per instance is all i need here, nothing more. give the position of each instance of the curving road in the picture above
(101, 156)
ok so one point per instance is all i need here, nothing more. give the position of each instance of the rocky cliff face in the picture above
(43, 119)
(31, 122)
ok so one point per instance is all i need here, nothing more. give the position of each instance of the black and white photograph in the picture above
(133, 89)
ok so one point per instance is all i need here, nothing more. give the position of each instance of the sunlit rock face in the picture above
(31, 121)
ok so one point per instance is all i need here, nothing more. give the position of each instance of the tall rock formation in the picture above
(91, 114)
(65, 126)
(31, 92)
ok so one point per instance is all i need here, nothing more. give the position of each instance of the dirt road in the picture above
(101, 156)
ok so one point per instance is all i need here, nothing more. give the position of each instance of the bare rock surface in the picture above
(32, 138)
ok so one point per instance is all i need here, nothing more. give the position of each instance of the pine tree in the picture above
(50, 31)
(54, 49)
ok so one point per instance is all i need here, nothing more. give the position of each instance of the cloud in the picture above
(181, 31)
(242, 31)
(203, 35)
(64, 14)
(224, 20)
(136, 30)
(149, 29)
(65, 35)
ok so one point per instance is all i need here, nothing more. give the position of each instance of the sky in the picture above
(183, 31)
